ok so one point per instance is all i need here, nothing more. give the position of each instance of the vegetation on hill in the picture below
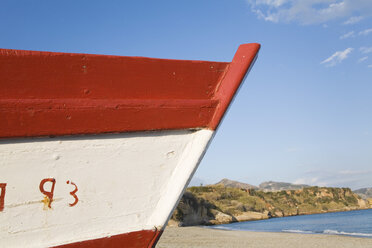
(216, 204)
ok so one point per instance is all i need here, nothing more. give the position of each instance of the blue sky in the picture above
(304, 113)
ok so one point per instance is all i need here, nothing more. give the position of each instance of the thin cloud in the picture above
(369, 66)
(365, 50)
(353, 34)
(347, 35)
(292, 149)
(337, 57)
(311, 11)
(354, 172)
(362, 59)
(310, 181)
(366, 32)
(353, 20)
(344, 178)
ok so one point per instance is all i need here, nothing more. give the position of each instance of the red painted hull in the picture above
(140, 239)
(44, 94)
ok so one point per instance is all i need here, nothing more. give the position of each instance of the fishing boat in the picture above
(96, 150)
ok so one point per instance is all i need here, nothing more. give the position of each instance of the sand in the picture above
(205, 237)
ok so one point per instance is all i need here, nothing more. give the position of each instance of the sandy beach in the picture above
(205, 237)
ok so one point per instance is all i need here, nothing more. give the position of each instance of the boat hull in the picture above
(144, 238)
(96, 150)
(90, 187)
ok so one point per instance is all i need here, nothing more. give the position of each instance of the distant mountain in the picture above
(365, 193)
(265, 186)
(235, 184)
(277, 186)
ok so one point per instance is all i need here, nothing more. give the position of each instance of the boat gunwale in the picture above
(67, 116)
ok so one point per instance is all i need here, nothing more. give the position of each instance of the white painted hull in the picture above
(125, 183)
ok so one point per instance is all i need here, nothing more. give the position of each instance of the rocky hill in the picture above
(235, 184)
(277, 186)
(365, 193)
(217, 204)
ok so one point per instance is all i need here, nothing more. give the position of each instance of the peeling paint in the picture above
(47, 203)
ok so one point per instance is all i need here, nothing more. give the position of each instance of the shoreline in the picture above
(173, 223)
(198, 237)
(302, 214)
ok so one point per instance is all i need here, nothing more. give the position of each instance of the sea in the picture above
(356, 223)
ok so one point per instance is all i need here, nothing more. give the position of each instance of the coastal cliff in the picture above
(217, 204)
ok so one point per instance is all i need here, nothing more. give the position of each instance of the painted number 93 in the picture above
(48, 193)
